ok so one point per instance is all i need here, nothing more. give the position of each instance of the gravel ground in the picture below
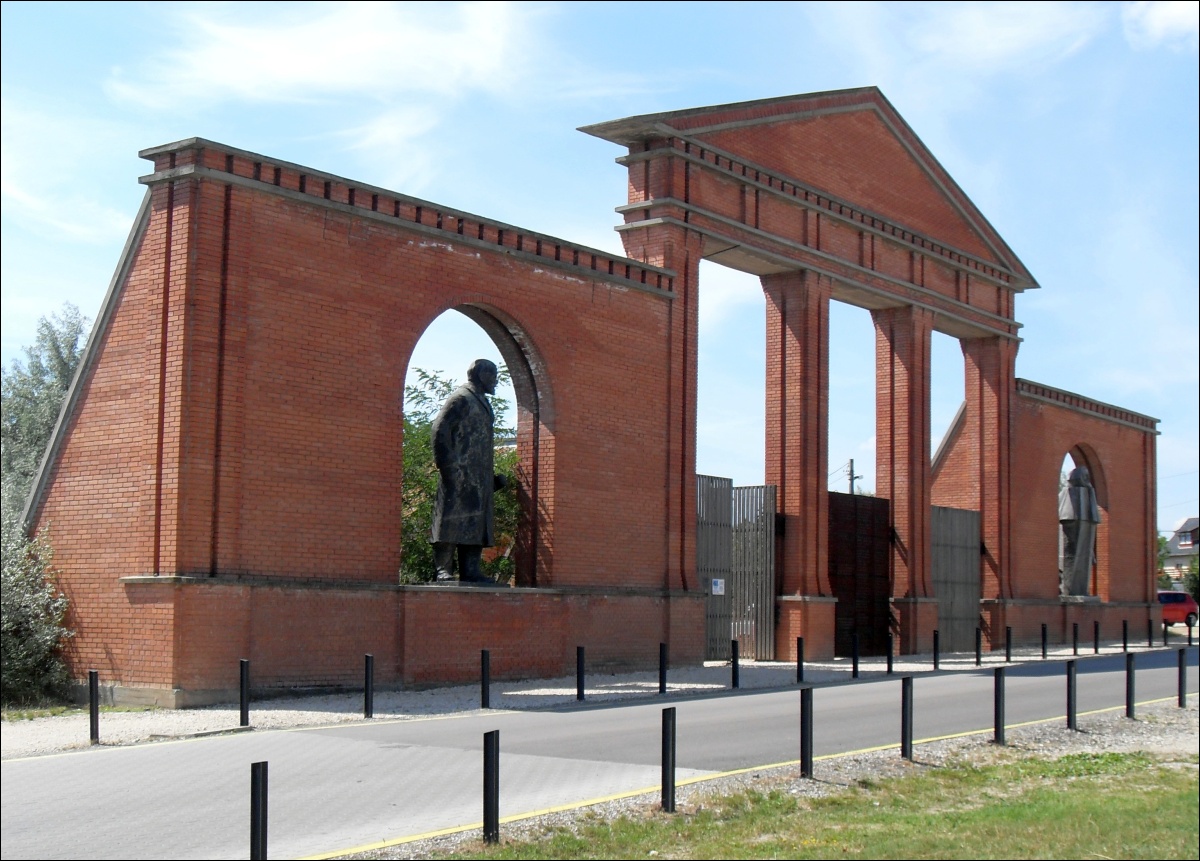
(1160, 728)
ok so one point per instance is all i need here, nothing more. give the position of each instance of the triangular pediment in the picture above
(851, 145)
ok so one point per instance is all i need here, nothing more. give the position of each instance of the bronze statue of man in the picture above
(1078, 514)
(463, 451)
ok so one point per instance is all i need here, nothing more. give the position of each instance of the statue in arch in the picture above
(463, 452)
(1078, 515)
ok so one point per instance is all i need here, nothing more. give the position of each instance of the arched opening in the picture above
(1083, 524)
(524, 440)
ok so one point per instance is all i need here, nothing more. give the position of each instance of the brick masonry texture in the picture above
(227, 483)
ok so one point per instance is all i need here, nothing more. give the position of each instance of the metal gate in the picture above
(735, 560)
(754, 571)
(714, 560)
(955, 570)
(859, 574)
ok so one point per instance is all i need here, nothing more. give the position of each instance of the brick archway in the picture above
(535, 408)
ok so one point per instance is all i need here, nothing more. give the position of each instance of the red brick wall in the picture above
(243, 418)
(1121, 461)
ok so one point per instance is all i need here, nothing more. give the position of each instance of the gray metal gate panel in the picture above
(955, 571)
(753, 608)
(714, 533)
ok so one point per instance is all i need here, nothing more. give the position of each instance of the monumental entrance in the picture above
(224, 481)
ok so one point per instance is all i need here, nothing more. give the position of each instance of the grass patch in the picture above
(55, 710)
(1105, 805)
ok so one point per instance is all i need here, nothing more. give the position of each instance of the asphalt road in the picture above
(342, 787)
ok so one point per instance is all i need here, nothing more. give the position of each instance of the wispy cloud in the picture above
(45, 200)
(996, 37)
(366, 49)
(1174, 25)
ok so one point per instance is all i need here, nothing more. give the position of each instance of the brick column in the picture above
(672, 246)
(797, 455)
(902, 343)
(989, 365)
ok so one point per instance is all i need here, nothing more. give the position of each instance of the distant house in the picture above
(1182, 547)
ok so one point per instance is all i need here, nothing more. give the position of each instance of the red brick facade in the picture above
(225, 482)
(831, 196)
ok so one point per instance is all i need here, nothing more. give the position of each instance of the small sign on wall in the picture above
(718, 586)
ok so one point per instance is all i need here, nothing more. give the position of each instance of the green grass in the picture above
(16, 713)
(1108, 805)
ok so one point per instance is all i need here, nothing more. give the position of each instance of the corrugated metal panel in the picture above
(714, 534)
(754, 571)
(955, 572)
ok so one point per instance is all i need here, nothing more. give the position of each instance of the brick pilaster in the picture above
(902, 343)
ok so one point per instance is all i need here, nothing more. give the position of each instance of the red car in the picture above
(1178, 607)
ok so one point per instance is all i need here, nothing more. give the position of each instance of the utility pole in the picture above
(852, 476)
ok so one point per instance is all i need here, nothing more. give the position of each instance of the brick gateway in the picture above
(224, 481)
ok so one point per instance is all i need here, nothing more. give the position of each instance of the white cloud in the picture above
(1173, 24)
(38, 190)
(992, 37)
(366, 49)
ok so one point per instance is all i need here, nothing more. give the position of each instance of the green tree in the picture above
(33, 609)
(33, 393)
(422, 400)
(1191, 579)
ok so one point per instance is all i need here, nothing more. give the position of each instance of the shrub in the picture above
(32, 617)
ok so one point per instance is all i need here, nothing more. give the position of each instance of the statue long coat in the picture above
(1078, 513)
(463, 452)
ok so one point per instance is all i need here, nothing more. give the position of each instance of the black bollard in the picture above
(258, 811)
(485, 679)
(662, 668)
(1074, 638)
(579, 661)
(1130, 698)
(1165, 627)
(1149, 633)
(1182, 702)
(1044, 640)
(906, 718)
(978, 646)
(806, 732)
(799, 660)
(1189, 627)
(1072, 722)
(735, 680)
(668, 760)
(1095, 636)
(998, 706)
(369, 686)
(94, 706)
(244, 685)
(891, 649)
(1124, 635)
(1008, 644)
(491, 786)
(937, 649)
(854, 656)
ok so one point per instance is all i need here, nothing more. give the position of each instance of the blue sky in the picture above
(1072, 127)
